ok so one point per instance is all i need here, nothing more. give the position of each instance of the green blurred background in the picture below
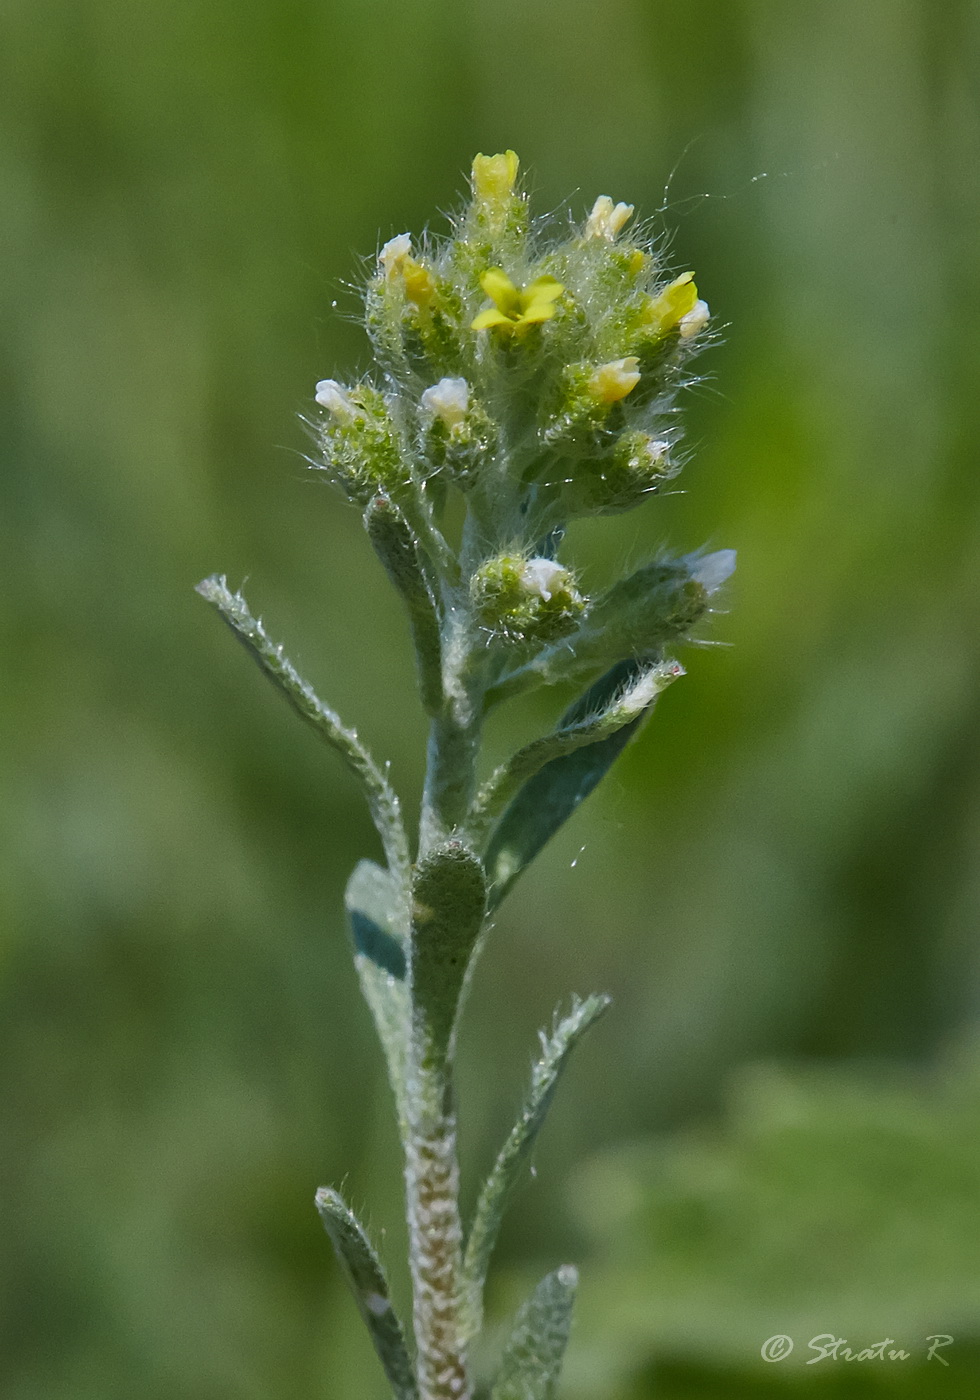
(777, 1130)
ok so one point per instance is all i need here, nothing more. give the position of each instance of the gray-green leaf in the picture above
(369, 1286)
(381, 797)
(377, 915)
(555, 1050)
(549, 798)
(533, 1356)
(449, 900)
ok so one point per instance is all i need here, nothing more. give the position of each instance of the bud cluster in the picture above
(532, 374)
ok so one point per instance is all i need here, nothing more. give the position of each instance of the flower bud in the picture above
(695, 320)
(641, 614)
(668, 309)
(449, 400)
(638, 466)
(613, 381)
(360, 447)
(607, 219)
(711, 571)
(392, 257)
(400, 269)
(335, 399)
(526, 600)
(496, 221)
(458, 436)
(494, 178)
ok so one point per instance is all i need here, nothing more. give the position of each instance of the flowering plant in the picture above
(533, 377)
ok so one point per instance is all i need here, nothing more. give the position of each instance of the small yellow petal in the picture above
(419, 283)
(538, 311)
(490, 317)
(674, 302)
(544, 289)
(613, 381)
(501, 290)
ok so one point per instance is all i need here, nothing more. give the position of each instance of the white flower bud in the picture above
(544, 577)
(392, 256)
(713, 570)
(607, 219)
(695, 320)
(335, 399)
(448, 400)
(655, 451)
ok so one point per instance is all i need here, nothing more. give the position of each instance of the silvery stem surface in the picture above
(435, 1230)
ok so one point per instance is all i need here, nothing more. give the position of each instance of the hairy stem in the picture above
(435, 1228)
(454, 736)
(442, 941)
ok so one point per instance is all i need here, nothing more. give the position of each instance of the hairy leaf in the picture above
(377, 927)
(369, 1286)
(549, 798)
(555, 1050)
(533, 1356)
(381, 797)
(449, 899)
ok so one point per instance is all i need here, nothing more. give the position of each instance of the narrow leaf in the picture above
(627, 704)
(551, 795)
(381, 798)
(533, 1356)
(377, 917)
(369, 1286)
(555, 1050)
(449, 898)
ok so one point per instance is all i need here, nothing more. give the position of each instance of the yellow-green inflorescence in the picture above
(532, 373)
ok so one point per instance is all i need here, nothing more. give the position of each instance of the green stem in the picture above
(454, 736)
(434, 1224)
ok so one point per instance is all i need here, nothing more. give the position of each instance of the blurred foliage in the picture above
(833, 1204)
(784, 865)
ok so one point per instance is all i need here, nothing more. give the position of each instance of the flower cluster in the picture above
(533, 374)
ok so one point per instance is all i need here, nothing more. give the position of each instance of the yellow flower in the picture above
(665, 312)
(494, 177)
(613, 381)
(514, 309)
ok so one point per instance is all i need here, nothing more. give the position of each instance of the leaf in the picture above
(367, 1281)
(628, 703)
(555, 1050)
(533, 1356)
(449, 898)
(377, 923)
(381, 797)
(549, 798)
